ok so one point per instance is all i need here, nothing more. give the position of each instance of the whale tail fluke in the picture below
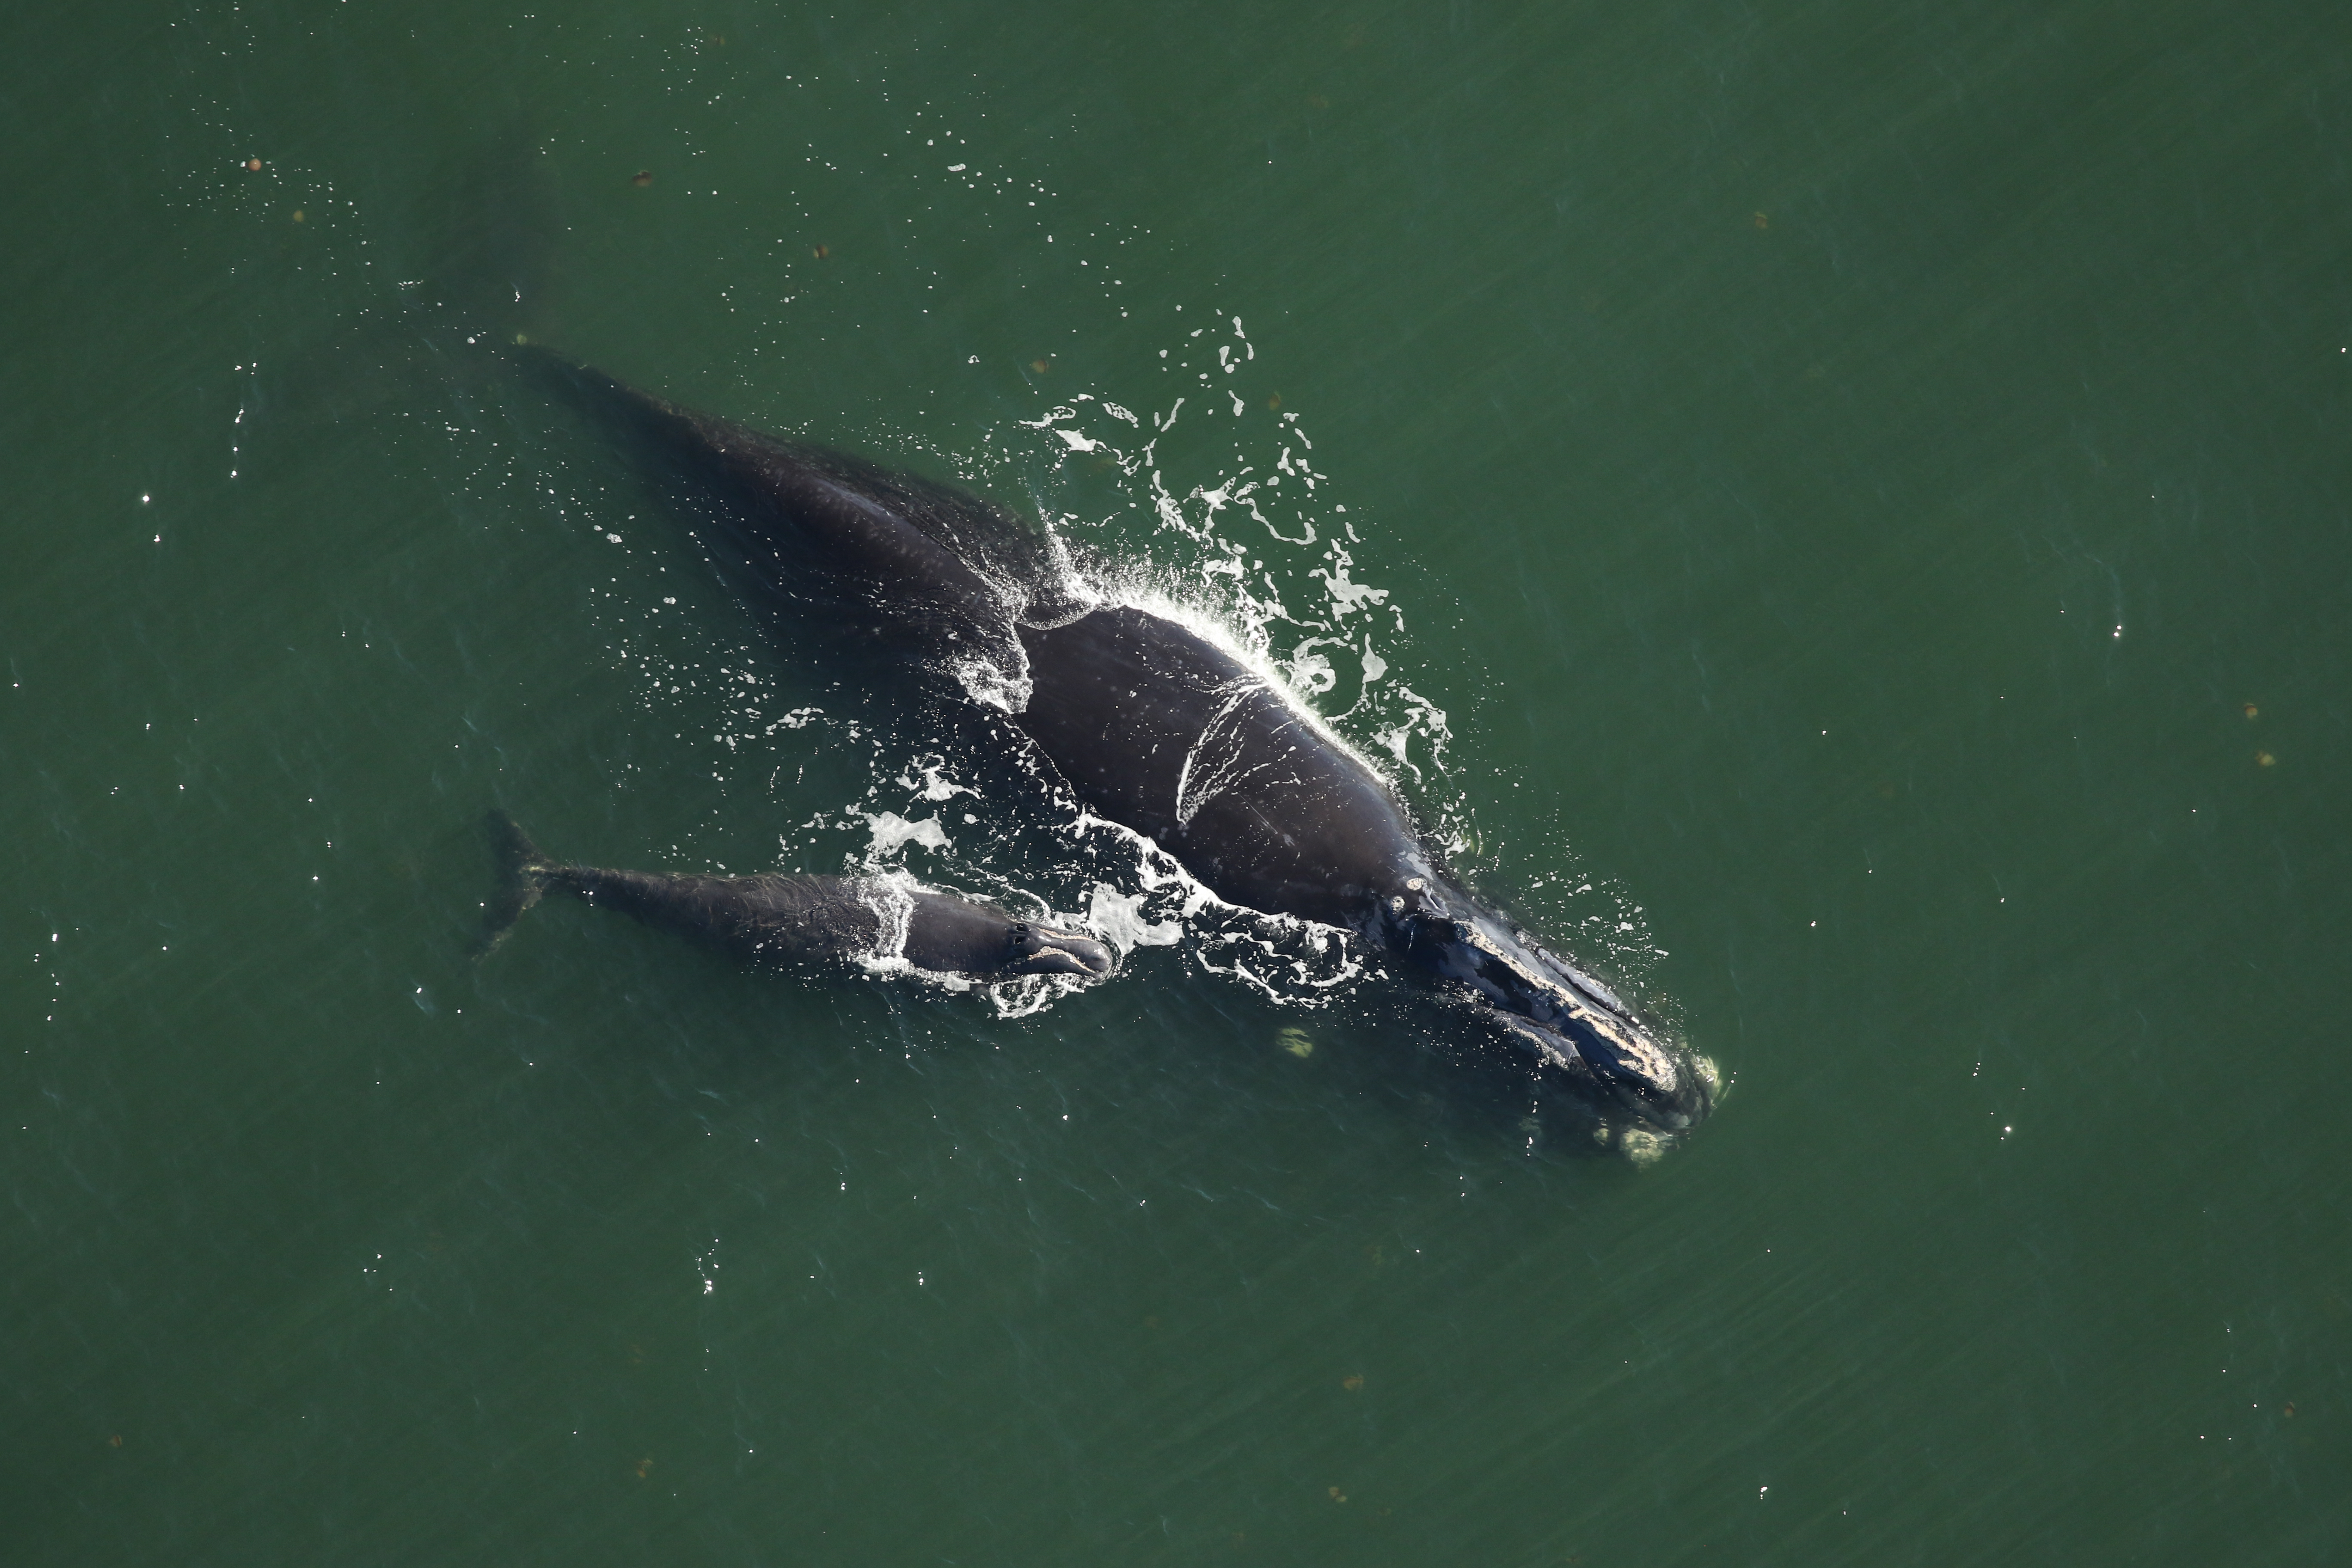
(523, 875)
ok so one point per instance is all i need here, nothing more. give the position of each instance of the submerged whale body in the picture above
(1153, 725)
(776, 921)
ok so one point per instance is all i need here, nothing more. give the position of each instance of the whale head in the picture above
(1576, 1034)
(1033, 949)
(1616, 1071)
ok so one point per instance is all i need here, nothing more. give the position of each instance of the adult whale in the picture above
(775, 921)
(1153, 725)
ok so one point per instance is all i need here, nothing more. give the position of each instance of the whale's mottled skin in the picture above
(1151, 724)
(778, 921)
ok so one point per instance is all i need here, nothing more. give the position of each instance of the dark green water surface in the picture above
(1860, 494)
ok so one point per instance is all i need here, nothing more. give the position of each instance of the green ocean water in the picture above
(1861, 493)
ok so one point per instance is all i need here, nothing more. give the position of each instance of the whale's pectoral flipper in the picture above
(522, 882)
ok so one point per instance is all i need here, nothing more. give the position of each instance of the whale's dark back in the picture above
(806, 528)
(1151, 724)
(1158, 727)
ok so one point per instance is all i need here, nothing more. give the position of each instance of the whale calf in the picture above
(775, 921)
(1151, 724)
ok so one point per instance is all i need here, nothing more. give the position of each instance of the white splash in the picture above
(893, 833)
(1118, 919)
(989, 685)
(936, 784)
